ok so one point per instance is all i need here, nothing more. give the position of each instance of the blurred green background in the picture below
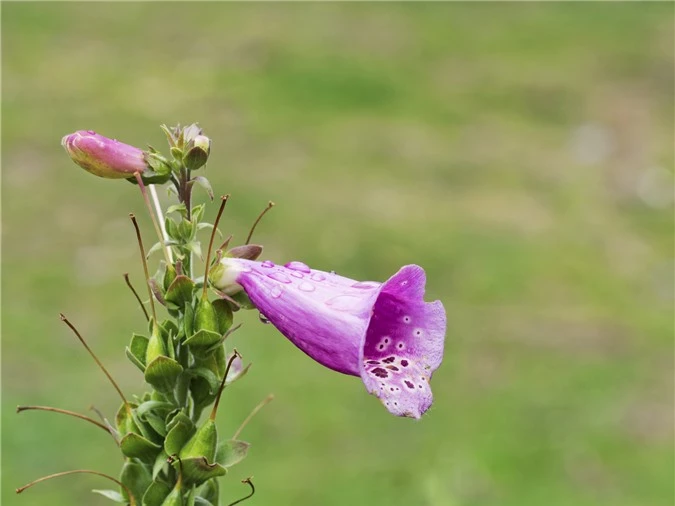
(521, 153)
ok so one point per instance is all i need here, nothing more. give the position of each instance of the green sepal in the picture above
(242, 299)
(156, 493)
(188, 320)
(231, 452)
(137, 350)
(124, 419)
(178, 436)
(136, 446)
(136, 477)
(197, 470)
(169, 270)
(203, 443)
(202, 341)
(224, 317)
(180, 291)
(200, 501)
(162, 373)
(205, 316)
(113, 495)
(147, 406)
(175, 417)
(157, 424)
(156, 345)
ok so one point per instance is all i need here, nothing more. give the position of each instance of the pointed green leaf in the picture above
(156, 493)
(204, 183)
(231, 452)
(137, 350)
(161, 463)
(137, 447)
(162, 373)
(202, 340)
(111, 494)
(180, 291)
(197, 470)
(136, 477)
(224, 316)
(177, 437)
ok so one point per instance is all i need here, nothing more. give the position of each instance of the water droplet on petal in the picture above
(345, 303)
(279, 276)
(263, 318)
(298, 266)
(267, 264)
(366, 285)
(91, 132)
(306, 287)
(276, 292)
(317, 276)
(297, 274)
(332, 272)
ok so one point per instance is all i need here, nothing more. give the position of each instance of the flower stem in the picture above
(160, 217)
(132, 501)
(250, 484)
(158, 230)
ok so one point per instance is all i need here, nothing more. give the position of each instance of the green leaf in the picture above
(204, 183)
(160, 464)
(177, 437)
(209, 492)
(180, 291)
(171, 228)
(162, 374)
(144, 408)
(137, 447)
(243, 300)
(224, 316)
(136, 477)
(198, 213)
(178, 208)
(156, 493)
(208, 375)
(186, 231)
(111, 494)
(136, 350)
(197, 470)
(196, 248)
(188, 320)
(231, 452)
(202, 340)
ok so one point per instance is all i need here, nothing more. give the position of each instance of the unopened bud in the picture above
(104, 157)
(198, 152)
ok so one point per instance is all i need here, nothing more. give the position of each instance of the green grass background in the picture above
(521, 153)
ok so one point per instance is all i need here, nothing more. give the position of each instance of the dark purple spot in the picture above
(392, 368)
(404, 363)
(418, 332)
(392, 389)
(380, 373)
(409, 384)
(400, 346)
(419, 386)
(380, 347)
(386, 340)
(388, 360)
(373, 362)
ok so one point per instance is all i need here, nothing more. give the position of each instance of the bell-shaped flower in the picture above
(104, 157)
(383, 332)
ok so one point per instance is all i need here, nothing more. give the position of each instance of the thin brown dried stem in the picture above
(222, 384)
(270, 205)
(250, 484)
(145, 265)
(133, 290)
(20, 409)
(93, 355)
(223, 201)
(262, 404)
(132, 501)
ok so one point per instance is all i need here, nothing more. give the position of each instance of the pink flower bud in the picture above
(104, 157)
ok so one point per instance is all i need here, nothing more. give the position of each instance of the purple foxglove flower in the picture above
(383, 332)
(104, 157)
